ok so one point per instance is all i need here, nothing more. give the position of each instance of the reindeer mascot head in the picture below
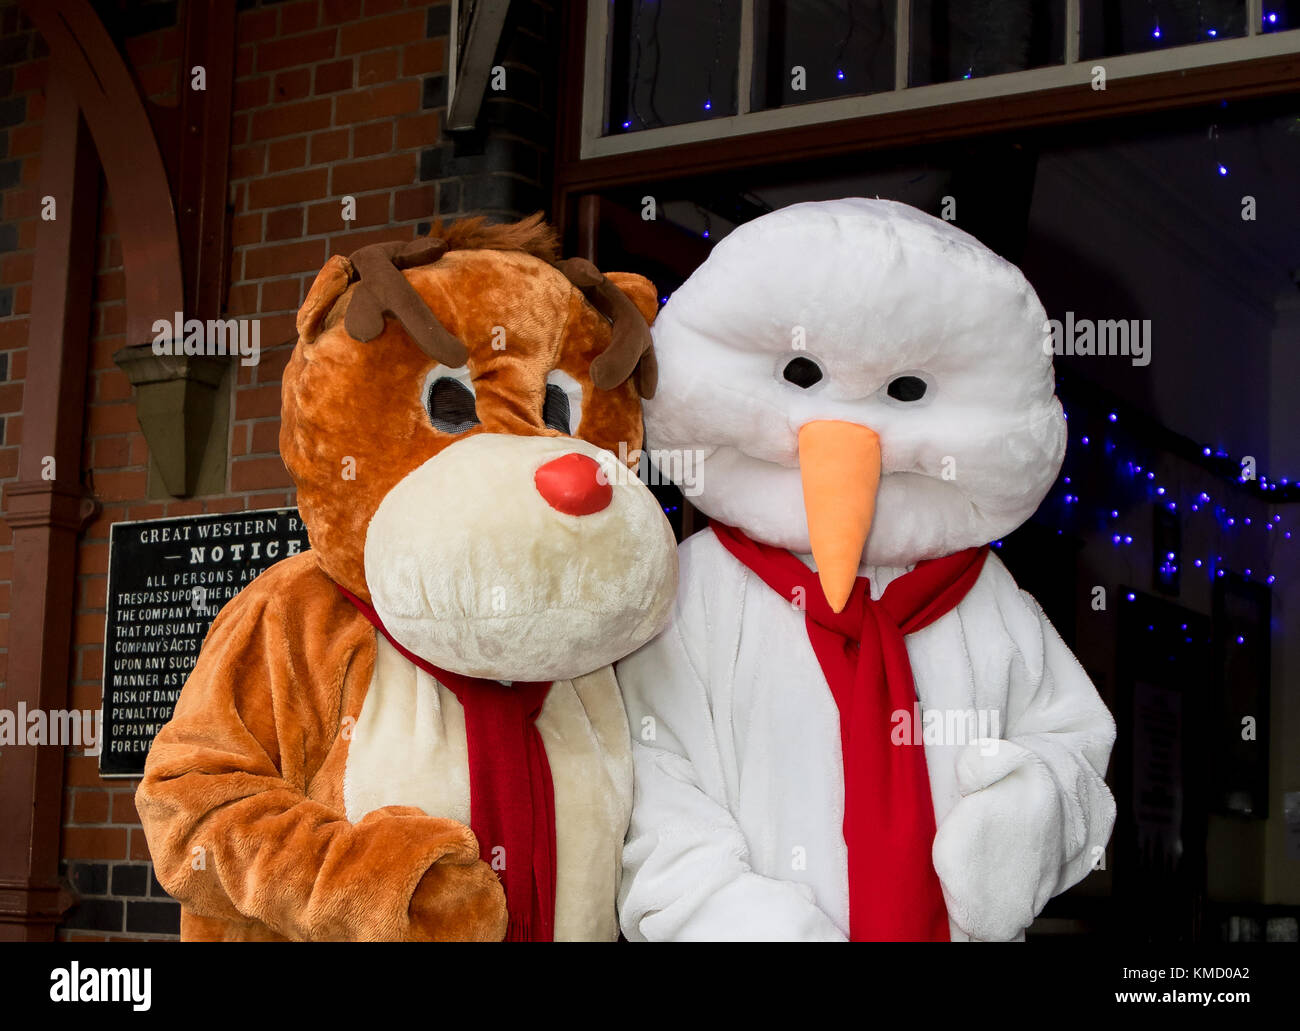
(439, 660)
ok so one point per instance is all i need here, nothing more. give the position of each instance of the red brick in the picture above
(292, 85)
(13, 333)
(329, 146)
(81, 771)
(257, 402)
(279, 329)
(242, 299)
(88, 696)
(295, 50)
(118, 418)
(335, 11)
(274, 359)
(124, 811)
(92, 558)
(153, 510)
(374, 7)
(90, 807)
(110, 452)
(264, 262)
(335, 76)
(258, 474)
(346, 243)
(246, 229)
(112, 319)
(393, 30)
(112, 385)
(374, 174)
(294, 188)
(380, 66)
(265, 437)
(246, 162)
(17, 268)
(424, 57)
(299, 17)
(111, 286)
(281, 294)
(139, 845)
(285, 154)
(397, 98)
(94, 593)
(372, 138)
(239, 441)
(417, 203)
(252, 92)
(25, 139)
(291, 119)
(284, 224)
(256, 25)
(23, 300)
(11, 397)
(120, 486)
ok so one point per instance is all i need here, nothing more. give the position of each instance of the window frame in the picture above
(1126, 70)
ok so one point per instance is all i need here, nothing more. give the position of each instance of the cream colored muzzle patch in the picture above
(470, 568)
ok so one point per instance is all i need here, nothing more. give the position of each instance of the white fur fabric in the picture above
(505, 586)
(409, 748)
(872, 289)
(739, 793)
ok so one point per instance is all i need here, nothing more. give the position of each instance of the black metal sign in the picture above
(167, 580)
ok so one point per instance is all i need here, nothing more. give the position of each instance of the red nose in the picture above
(573, 484)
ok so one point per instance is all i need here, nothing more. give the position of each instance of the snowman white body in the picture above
(736, 828)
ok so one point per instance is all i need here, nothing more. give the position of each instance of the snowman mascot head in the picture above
(859, 381)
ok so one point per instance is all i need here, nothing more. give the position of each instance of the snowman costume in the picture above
(865, 393)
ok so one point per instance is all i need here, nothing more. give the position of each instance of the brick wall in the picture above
(332, 98)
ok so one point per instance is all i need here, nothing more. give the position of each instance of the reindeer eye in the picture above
(802, 372)
(906, 388)
(451, 406)
(555, 410)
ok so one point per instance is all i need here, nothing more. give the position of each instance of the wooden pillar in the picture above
(46, 508)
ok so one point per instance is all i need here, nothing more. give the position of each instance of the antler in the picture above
(631, 349)
(383, 290)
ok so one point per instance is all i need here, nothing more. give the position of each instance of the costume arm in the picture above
(1035, 813)
(686, 868)
(224, 806)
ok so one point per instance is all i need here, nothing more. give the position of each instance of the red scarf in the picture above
(894, 893)
(511, 797)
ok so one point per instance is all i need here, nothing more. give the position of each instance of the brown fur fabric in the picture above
(242, 795)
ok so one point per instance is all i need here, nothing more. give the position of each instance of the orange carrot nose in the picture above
(840, 465)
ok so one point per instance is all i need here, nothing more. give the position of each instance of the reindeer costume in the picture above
(412, 731)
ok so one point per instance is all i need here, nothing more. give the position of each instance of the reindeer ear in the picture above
(641, 290)
(330, 283)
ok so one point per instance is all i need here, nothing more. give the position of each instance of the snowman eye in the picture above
(802, 372)
(906, 388)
